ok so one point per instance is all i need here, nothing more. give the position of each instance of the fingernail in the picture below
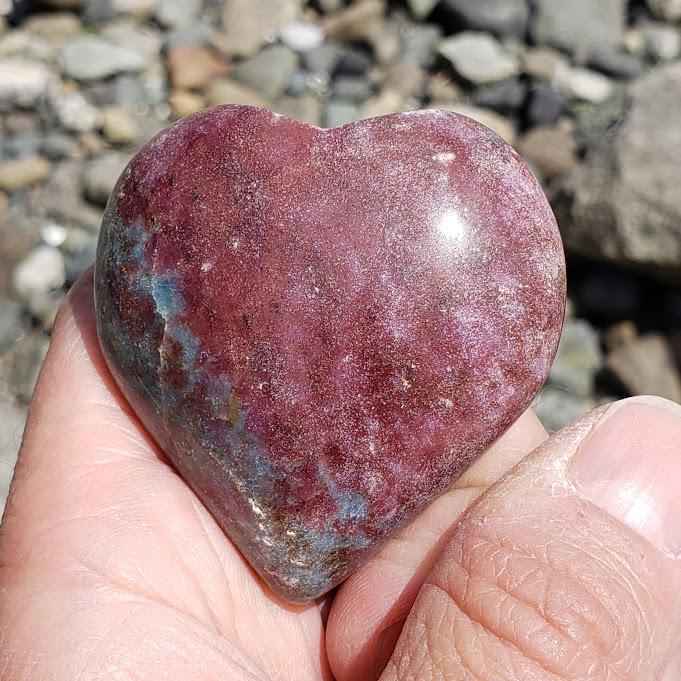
(630, 466)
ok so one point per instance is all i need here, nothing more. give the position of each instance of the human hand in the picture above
(110, 567)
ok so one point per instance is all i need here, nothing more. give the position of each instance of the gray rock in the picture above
(578, 26)
(41, 272)
(544, 106)
(478, 57)
(247, 24)
(419, 44)
(100, 177)
(352, 88)
(556, 407)
(269, 71)
(623, 205)
(79, 255)
(670, 10)
(197, 34)
(175, 13)
(61, 198)
(338, 113)
(12, 420)
(502, 17)
(323, 59)
(506, 96)
(617, 64)
(143, 39)
(10, 322)
(93, 58)
(355, 62)
(22, 82)
(19, 147)
(26, 358)
(298, 83)
(578, 360)
(98, 12)
(56, 146)
(128, 90)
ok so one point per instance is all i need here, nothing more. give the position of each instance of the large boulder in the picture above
(624, 203)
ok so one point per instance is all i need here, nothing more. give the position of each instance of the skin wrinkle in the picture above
(467, 568)
(507, 643)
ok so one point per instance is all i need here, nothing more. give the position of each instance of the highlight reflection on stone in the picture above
(323, 328)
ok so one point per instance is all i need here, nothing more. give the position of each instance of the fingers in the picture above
(369, 610)
(566, 569)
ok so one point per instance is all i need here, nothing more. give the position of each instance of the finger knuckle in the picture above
(496, 609)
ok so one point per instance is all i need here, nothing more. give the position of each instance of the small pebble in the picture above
(23, 172)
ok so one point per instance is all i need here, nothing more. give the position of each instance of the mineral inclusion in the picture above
(323, 328)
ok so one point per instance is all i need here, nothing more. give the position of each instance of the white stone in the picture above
(75, 113)
(584, 84)
(301, 36)
(22, 82)
(41, 271)
(478, 57)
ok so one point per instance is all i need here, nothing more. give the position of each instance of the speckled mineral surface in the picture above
(323, 328)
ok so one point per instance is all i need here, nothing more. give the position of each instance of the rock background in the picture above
(589, 91)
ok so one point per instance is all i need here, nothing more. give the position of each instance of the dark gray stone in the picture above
(578, 26)
(502, 17)
(297, 84)
(609, 295)
(323, 59)
(506, 96)
(352, 88)
(544, 106)
(355, 62)
(57, 146)
(619, 64)
(624, 204)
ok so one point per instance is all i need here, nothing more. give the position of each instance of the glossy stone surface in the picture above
(323, 328)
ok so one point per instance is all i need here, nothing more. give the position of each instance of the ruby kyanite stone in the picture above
(323, 328)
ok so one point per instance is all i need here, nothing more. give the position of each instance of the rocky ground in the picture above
(589, 91)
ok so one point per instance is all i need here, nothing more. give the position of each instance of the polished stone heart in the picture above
(323, 328)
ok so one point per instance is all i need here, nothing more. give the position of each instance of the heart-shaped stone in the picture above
(323, 328)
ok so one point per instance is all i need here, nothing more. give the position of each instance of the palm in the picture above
(118, 572)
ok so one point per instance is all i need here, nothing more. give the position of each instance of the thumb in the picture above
(568, 568)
